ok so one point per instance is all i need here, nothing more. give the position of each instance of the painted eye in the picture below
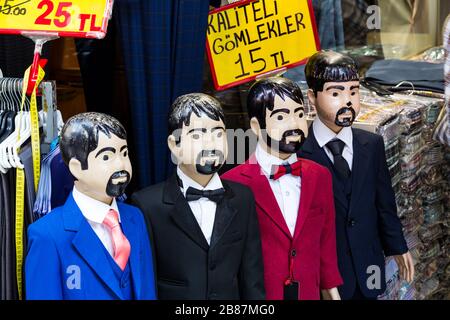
(196, 136)
(105, 158)
(300, 115)
(280, 117)
(219, 134)
(125, 154)
(335, 94)
(353, 93)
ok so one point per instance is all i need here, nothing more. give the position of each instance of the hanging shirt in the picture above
(95, 212)
(324, 135)
(286, 189)
(204, 210)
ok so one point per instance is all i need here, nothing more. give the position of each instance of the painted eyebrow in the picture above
(123, 148)
(354, 87)
(218, 128)
(299, 108)
(274, 112)
(197, 129)
(105, 150)
(336, 87)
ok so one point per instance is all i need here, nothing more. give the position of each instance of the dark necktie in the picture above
(336, 147)
(193, 194)
(279, 171)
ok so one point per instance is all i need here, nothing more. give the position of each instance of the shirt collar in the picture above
(266, 160)
(93, 210)
(324, 134)
(213, 184)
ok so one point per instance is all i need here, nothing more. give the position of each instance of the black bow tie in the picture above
(193, 194)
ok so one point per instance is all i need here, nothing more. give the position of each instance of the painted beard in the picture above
(117, 189)
(345, 117)
(209, 161)
(283, 145)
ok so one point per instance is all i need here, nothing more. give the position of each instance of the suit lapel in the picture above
(224, 215)
(316, 153)
(359, 167)
(129, 228)
(182, 214)
(308, 185)
(89, 246)
(264, 196)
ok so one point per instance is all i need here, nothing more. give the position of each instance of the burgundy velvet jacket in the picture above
(312, 249)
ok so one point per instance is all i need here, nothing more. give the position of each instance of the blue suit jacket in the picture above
(66, 259)
(368, 225)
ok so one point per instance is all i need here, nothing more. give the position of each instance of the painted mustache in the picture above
(345, 116)
(117, 183)
(209, 161)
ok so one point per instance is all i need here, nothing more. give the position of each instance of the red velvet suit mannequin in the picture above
(308, 253)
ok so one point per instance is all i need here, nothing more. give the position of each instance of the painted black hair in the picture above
(262, 94)
(79, 136)
(199, 103)
(329, 66)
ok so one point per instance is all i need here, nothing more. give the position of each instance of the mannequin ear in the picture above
(172, 144)
(75, 168)
(254, 125)
(312, 98)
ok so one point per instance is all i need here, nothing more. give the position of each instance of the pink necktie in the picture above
(121, 245)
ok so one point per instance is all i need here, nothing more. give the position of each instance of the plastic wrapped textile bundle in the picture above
(434, 154)
(395, 171)
(411, 119)
(392, 152)
(392, 281)
(411, 220)
(432, 175)
(411, 143)
(411, 163)
(433, 213)
(407, 291)
(428, 288)
(430, 234)
(412, 240)
(432, 192)
(430, 250)
(432, 106)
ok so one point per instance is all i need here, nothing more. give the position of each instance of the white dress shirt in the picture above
(286, 189)
(204, 210)
(324, 135)
(95, 212)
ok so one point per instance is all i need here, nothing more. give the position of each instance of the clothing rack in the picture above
(15, 155)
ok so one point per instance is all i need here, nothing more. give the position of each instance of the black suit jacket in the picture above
(367, 225)
(231, 267)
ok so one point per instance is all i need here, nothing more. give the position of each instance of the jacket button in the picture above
(351, 222)
(293, 253)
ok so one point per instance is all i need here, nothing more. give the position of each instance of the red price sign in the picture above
(76, 18)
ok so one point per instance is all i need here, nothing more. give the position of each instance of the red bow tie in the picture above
(279, 171)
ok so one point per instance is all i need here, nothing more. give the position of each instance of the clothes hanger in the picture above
(7, 124)
(17, 123)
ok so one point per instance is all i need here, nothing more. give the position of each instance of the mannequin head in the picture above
(197, 135)
(277, 115)
(333, 88)
(94, 147)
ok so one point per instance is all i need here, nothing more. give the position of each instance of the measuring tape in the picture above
(20, 174)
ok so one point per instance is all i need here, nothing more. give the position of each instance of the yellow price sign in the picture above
(255, 37)
(68, 18)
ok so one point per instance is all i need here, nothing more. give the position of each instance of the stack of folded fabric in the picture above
(418, 167)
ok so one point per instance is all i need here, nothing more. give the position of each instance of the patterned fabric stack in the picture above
(419, 174)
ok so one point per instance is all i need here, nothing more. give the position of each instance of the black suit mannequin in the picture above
(187, 266)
